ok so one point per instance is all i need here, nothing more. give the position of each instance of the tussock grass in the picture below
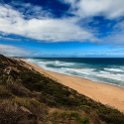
(27, 96)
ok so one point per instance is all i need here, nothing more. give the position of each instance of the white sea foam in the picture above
(105, 74)
(85, 71)
(109, 75)
(114, 69)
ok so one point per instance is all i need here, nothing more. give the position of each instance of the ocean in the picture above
(107, 70)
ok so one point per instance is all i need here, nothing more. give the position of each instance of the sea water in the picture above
(108, 70)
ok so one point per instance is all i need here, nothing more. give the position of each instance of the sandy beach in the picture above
(104, 93)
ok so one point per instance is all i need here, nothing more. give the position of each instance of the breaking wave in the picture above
(99, 72)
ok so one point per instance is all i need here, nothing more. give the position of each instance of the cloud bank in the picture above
(108, 8)
(32, 21)
(10, 50)
(46, 29)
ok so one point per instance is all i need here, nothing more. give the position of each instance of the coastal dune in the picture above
(104, 93)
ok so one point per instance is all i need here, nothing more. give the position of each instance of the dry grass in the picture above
(27, 97)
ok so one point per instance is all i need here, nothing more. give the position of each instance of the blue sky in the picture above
(62, 28)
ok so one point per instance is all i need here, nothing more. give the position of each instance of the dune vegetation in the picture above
(28, 97)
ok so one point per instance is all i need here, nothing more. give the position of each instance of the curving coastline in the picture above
(105, 93)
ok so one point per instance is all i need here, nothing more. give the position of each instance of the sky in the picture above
(62, 28)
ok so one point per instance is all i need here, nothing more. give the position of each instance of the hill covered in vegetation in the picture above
(27, 97)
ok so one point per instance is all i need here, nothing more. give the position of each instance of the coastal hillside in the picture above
(28, 97)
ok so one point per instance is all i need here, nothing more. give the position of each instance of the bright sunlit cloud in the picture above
(48, 29)
(65, 26)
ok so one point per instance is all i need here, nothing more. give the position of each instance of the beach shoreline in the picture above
(104, 93)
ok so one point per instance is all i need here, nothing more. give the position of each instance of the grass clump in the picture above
(4, 92)
(69, 117)
(26, 97)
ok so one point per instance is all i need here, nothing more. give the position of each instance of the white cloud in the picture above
(117, 36)
(10, 50)
(47, 29)
(31, 11)
(8, 38)
(107, 8)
